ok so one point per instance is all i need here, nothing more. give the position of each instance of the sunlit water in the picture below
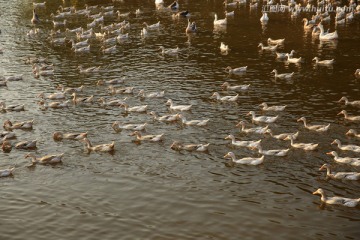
(147, 190)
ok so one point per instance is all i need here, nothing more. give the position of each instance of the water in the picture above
(147, 190)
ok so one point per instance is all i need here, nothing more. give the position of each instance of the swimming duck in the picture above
(317, 128)
(191, 27)
(352, 103)
(305, 146)
(169, 51)
(151, 95)
(151, 138)
(58, 136)
(109, 49)
(53, 96)
(282, 75)
(174, 5)
(135, 127)
(282, 136)
(26, 145)
(39, 5)
(246, 160)
(178, 107)
(264, 18)
(275, 152)
(122, 37)
(138, 12)
(142, 108)
(125, 90)
(219, 21)
(223, 47)
(276, 41)
(88, 70)
(236, 71)
(48, 159)
(11, 108)
(357, 72)
(285, 55)
(339, 175)
(231, 4)
(45, 105)
(292, 59)
(35, 19)
(217, 96)
(268, 48)
(6, 146)
(165, 118)
(59, 24)
(260, 130)
(279, 108)
(82, 49)
(143, 32)
(248, 144)
(347, 202)
(77, 100)
(327, 36)
(6, 172)
(323, 62)
(178, 146)
(152, 26)
(7, 135)
(347, 117)
(229, 14)
(352, 132)
(349, 147)
(109, 147)
(114, 102)
(265, 119)
(9, 126)
(110, 82)
(193, 122)
(346, 160)
(307, 24)
(226, 86)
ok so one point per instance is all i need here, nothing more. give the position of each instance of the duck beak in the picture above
(226, 155)
(328, 153)
(314, 193)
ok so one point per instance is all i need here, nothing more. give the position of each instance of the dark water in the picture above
(147, 190)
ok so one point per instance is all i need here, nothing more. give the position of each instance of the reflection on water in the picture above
(148, 190)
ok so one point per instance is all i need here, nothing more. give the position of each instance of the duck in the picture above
(59, 24)
(264, 119)
(231, 4)
(226, 86)
(282, 136)
(151, 95)
(350, 147)
(39, 5)
(339, 175)
(236, 71)
(307, 24)
(110, 82)
(276, 41)
(3, 83)
(11, 108)
(143, 32)
(138, 12)
(259, 130)
(349, 118)
(347, 202)
(7, 172)
(48, 159)
(174, 5)
(191, 27)
(70, 90)
(268, 48)
(89, 69)
(108, 147)
(275, 152)
(26, 144)
(248, 144)
(317, 128)
(246, 160)
(109, 49)
(352, 132)
(125, 90)
(165, 118)
(285, 55)
(35, 19)
(327, 36)
(151, 138)
(217, 96)
(193, 122)
(323, 62)
(223, 47)
(229, 14)
(357, 72)
(152, 26)
(6, 146)
(45, 105)
(282, 75)
(7, 135)
(9, 126)
(135, 127)
(82, 49)
(53, 96)
(169, 51)
(82, 100)
(274, 108)
(182, 14)
(304, 146)
(113, 102)
(178, 146)
(178, 107)
(264, 18)
(345, 160)
(142, 108)
(58, 136)
(219, 21)
(351, 103)
(292, 59)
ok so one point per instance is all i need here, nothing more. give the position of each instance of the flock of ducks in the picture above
(80, 40)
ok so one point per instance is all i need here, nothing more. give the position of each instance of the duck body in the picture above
(48, 159)
(26, 145)
(12, 108)
(82, 100)
(259, 130)
(276, 41)
(169, 51)
(265, 107)
(323, 62)
(165, 118)
(151, 95)
(178, 107)
(236, 71)
(58, 136)
(349, 118)
(217, 96)
(151, 138)
(8, 125)
(349, 147)
(264, 18)
(282, 136)
(264, 119)
(317, 128)
(268, 48)
(246, 160)
(282, 75)
(135, 127)
(340, 175)
(327, 36)
(345, 160)
(285, 55)
(249, 144)
(347, 202)
(219, 21)
(226, 86)
(110, 147)
(193, 122)
(274, 152)
(189, 147)
(6, 172)
(142, 108)
(304, 146)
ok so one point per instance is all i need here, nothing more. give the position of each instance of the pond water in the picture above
(148, 190)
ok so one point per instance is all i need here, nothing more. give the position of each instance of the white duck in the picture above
(82, 100)
(352, 132)
(189, 147)
(6, 172)
(276, 41)
(293, 60)
(219, 21)
(217, 96)
(152, 26)
(317, 128)
(352, 103)
(135, 127)
(48, 159)
(246, 160)
(259, 130)
(165, 118)
(108, 147)
(151, 138)
(274, 152)
(347, 117)
(226, 86)
(268, 48)
(142, 108)
(305, 146)
(193, 122)
(347, 202)
(58, 136)
(264, 18)
(248, 144)
(169, 51)
(339, 175)
(151, 94)
(264, 119)
(9, 126)
(282, 136)
(345, 160)
(323, 62)
(327, 36)
(285, 55)
(275, 108)
(53, 96)
(224, 47)
(349, 147)
(282, 75)
(236, 71)
(178, 107)
(26, 145)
